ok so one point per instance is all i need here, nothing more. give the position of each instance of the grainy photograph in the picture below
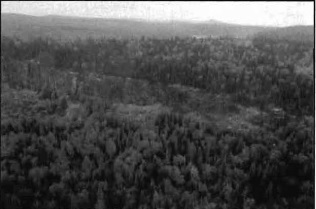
(157, 105)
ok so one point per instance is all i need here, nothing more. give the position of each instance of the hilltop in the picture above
(61, 27)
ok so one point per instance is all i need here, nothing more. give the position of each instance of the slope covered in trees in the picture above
(257, 72)
(67, 28)
(303, 34)
(50, 161)
(134, 123)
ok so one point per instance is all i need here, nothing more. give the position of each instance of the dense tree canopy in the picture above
(265, 72)
(61, 147)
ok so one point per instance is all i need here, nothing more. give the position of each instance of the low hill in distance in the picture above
(61, 28)
(294, 33)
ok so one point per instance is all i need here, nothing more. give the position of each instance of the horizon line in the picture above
(154, 20)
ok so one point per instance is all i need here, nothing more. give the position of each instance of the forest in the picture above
(172, 123)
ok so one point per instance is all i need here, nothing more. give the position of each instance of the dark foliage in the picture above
(70, 153)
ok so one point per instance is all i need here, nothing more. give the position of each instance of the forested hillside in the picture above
(257, 72)
(150, 122)
(69, 28)
(303, 34)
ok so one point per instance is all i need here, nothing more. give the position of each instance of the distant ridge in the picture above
(292, 33)
(67, 28)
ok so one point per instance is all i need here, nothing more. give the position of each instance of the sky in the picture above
(246, 13)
